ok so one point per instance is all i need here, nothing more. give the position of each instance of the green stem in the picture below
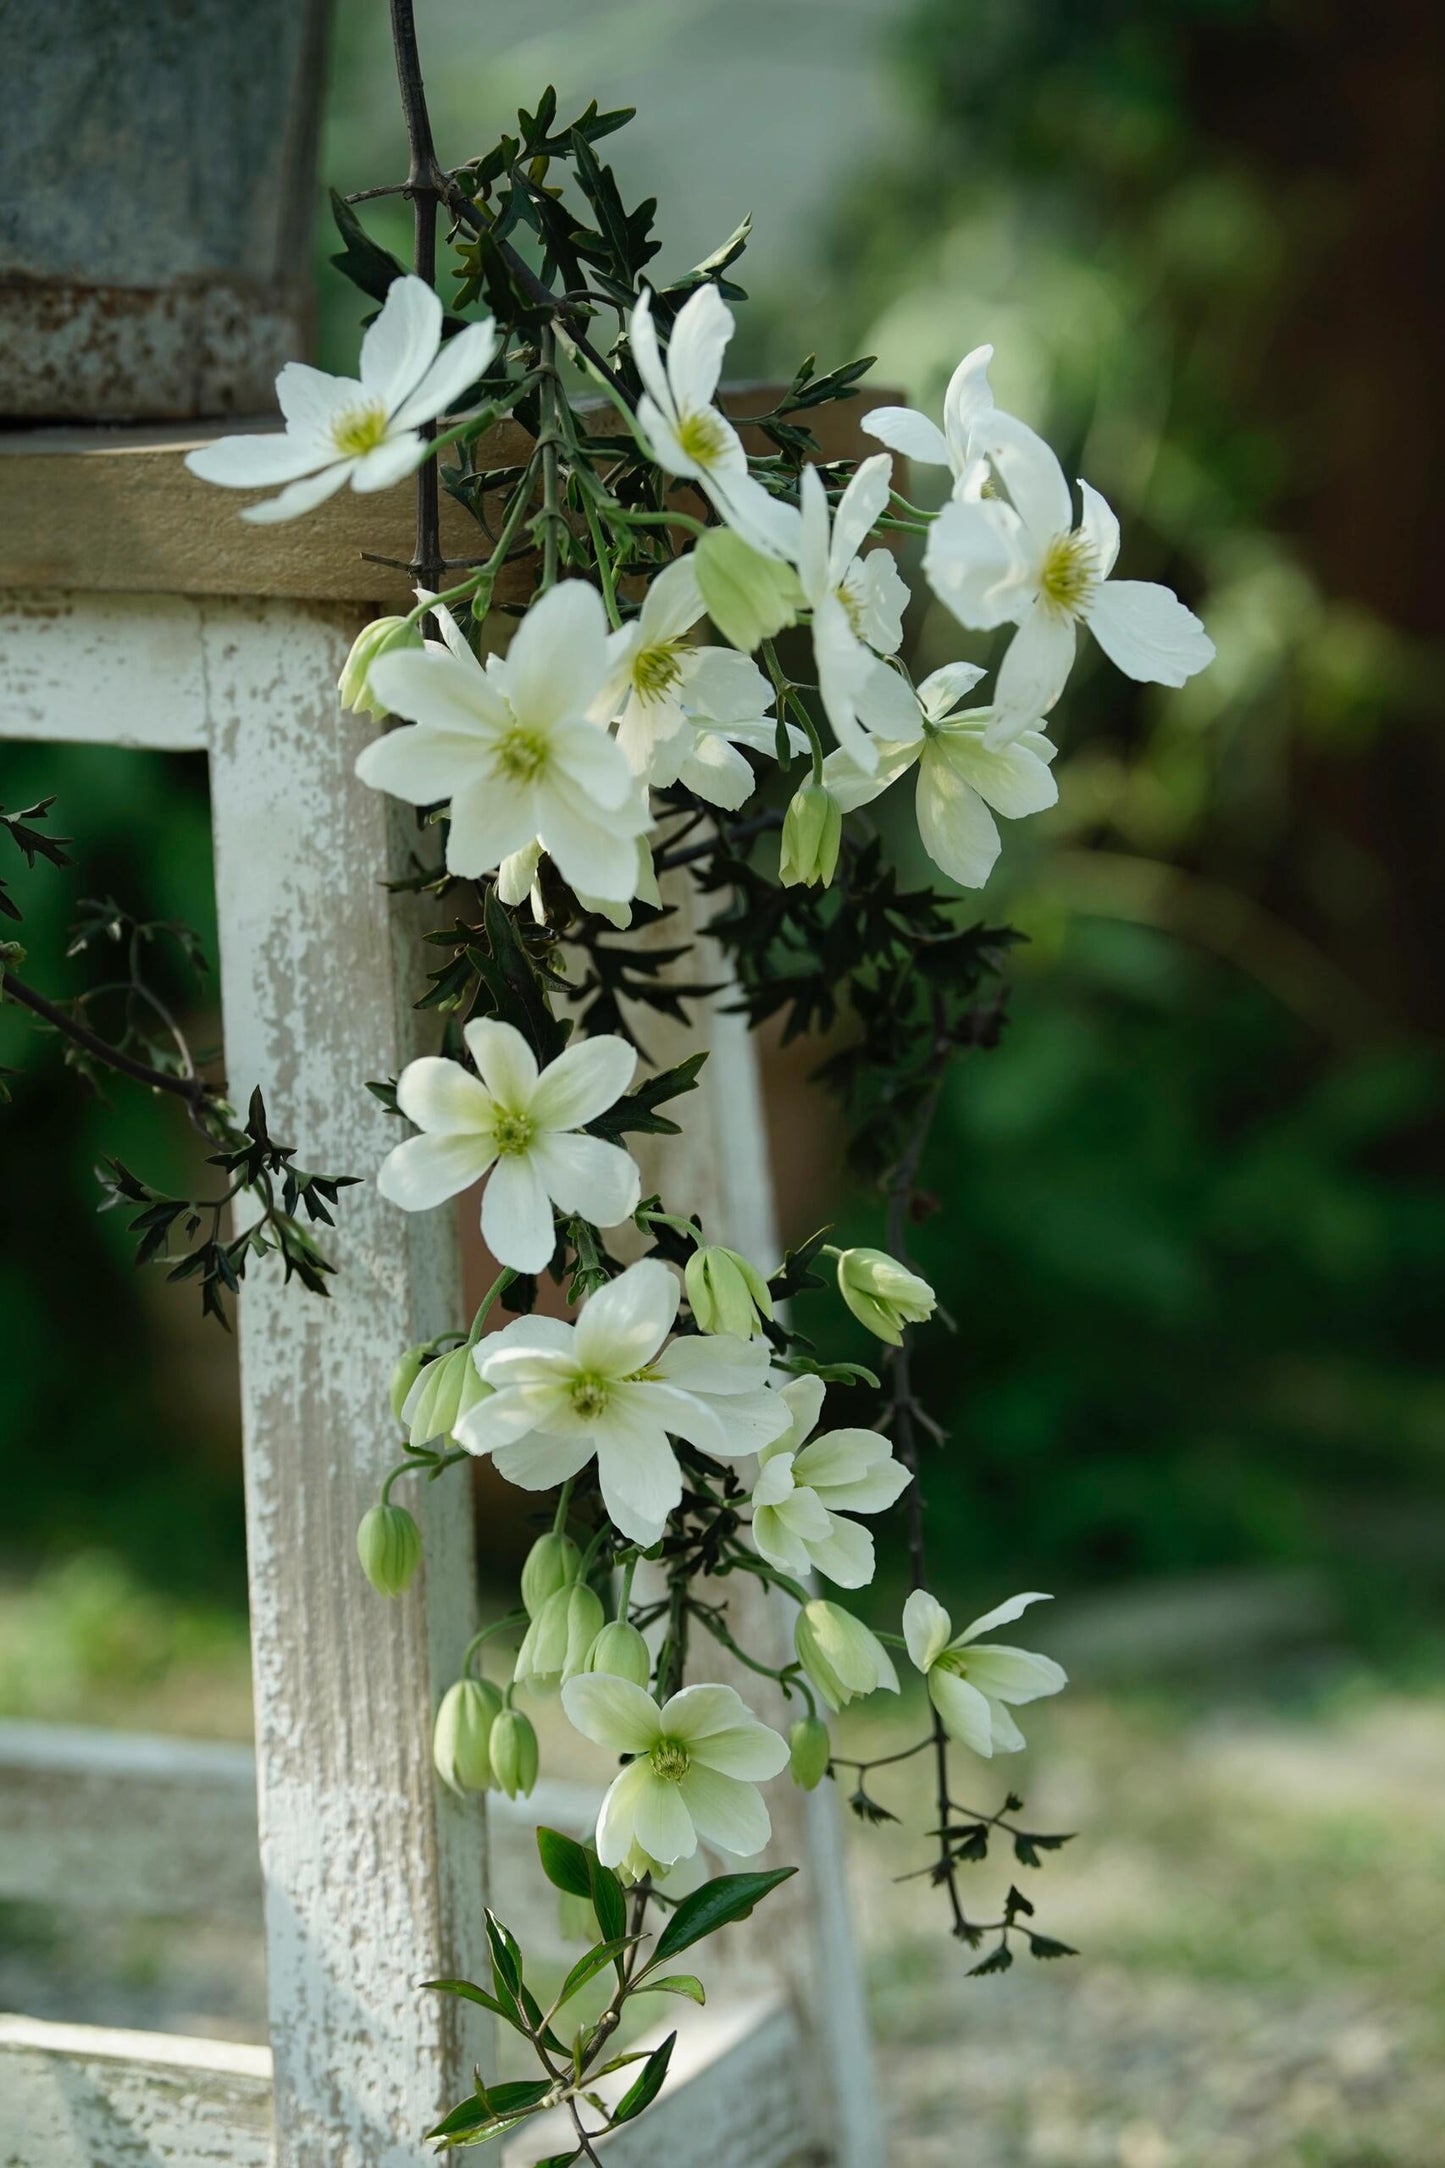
(547, 444)
(499, 1286)
(478, 1641)
(624, 1598)
(623, 515)
(564, 1500)
(605, 570)
(670, 1219)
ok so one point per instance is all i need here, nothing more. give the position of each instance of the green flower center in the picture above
(359, 430)
(670, 1759)
(656, 669)
(521, 755)
(702, 436)
(513, 1133)
(588, 1396)
(852, 609)
(954, 1661)
(1069, 574)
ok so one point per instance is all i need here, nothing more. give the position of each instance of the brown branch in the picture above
(194, 1090)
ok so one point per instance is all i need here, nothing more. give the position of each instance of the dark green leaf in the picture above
(604, 1953)
(730, 1897)
(565, 1862)
(648, 2083)
(676, 1983)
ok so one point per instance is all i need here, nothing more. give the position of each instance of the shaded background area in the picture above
(1196, 1201)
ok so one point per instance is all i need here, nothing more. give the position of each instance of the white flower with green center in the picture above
(973, 1683)
(520, 1128)
(915, 437)
(963, 780)
(995, 560)
(684, 431)
(513, 750)
(367, 433)
(696, 1765)
(805, 1490)
(608, 1387)
(857, 603)
(725, 717)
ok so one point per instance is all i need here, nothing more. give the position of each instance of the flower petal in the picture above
(904, 430)
(718, 1362)
(441, 691)
(612, 1712)
(1032, 674)
(487, 824)
(587, 1077)
(616, 1822)
(505, 1062)
(390, 462)
(647, 356)
(419, 764)
(967, 397)
(443, 1097)
(955, 827)
(695, 351)
(300, 497)
(539, 1460)
(1007, 1738)
(461, 361)
(859, 509)
(401, 343)
(964, 1710)
(622, 1326)
(588, 1176)
(926, 1628)
(1002, 1614)
(942, 690)
(722, 686)
(1148, 633)
(1029, 471)
(558, 655)
(261, 460)
(845, 1554)
(1100, 529)
(593, 764)
(725, 1811)
(715, 771)
(517, 1215)
(1012, 779)
(594, 848)
(977, 562)
(738, 1747)
(426, 1170)
(637, 1469)
(1016, 1675)
(763, 520)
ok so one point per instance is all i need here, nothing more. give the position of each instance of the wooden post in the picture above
(373, 1874)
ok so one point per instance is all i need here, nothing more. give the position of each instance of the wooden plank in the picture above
(732, 2096)
(115, 1820)
(59, 679)
(76, 2096)
(373, 1874)
(115, 511)
(126, 1822)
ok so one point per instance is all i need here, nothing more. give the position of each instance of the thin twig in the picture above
(194, 1090)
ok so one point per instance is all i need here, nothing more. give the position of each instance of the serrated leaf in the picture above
(998, 1959)
(1046, 1946)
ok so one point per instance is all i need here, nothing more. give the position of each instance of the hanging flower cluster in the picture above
(628, 724)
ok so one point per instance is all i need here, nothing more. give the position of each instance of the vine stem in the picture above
(193, 1089)
(421, 186)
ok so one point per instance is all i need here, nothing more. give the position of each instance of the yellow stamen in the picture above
(656, 669)
(702, 436)
(359, 430)
(1069, 574)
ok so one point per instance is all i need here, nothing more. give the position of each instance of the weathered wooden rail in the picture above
(135, 609)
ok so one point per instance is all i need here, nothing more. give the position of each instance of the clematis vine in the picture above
(607, 1388)
(367, 433)
(1020, 559)
(520, 1129)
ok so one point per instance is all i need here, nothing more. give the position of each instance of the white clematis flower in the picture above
(608, 1386)
(513, 749)
(367, 433)
(1022, 561)
(905, 430)
(697, 1763)
(804, 1489)
(973, 1683)
(961, 776)
(684, 431)
(523, 1129)
(857, 603)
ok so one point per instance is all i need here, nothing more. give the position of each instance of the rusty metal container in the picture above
(157, 162)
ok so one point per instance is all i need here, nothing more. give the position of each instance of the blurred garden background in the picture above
(1196, 1238)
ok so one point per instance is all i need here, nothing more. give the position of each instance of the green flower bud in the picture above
(749, 597)
(556, 1643)
(882, 1294)
(461, 1736)
(441, 1395)
(812, 833)
(553, 1562)
(621, 1651)
(513, 1747)
(809, 1752)
(381, 634)
(388, 1543)
(840, 1656)
(404, 1375)
(727, 1292)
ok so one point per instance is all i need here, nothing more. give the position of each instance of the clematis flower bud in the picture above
(553, 1562)
(407, 1370)
(557, 1641)
(727, 1292)
(382, 635)
(809, 1752)
(749, 597)
(882, 1294)
(388, 1543)
(621, 1651)
(513, 1749)
(840, 1656)
(461, 1735)
(442, 1394)
(812, 833)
